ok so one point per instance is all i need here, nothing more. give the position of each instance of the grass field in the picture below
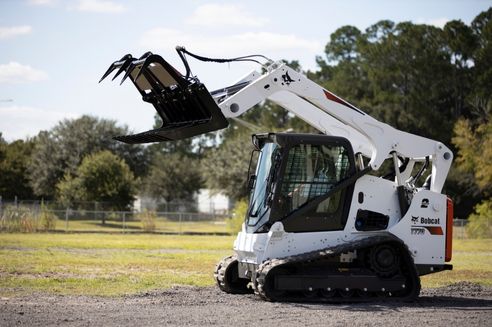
(116, 264)
(161, 225)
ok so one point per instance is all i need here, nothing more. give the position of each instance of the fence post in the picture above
(66, 219)
(124, 221)
(180, 223)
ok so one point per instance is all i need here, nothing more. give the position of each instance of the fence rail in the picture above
(174, 206)
(459, 228)
(71, 220)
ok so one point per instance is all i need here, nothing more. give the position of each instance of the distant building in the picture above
(143, 202)
(205, 201)
(210, 201)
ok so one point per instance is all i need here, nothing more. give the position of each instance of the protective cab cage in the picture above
(287, 141)
(183, 103)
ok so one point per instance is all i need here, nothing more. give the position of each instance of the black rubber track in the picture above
(263, 281)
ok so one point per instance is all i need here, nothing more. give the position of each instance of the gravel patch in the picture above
(462, 304)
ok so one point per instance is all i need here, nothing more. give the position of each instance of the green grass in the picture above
(471, 260)
(114, 241)
(101, 264)
(117, 264)
(162, 225)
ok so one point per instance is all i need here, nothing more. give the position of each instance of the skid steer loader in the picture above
(323, 223)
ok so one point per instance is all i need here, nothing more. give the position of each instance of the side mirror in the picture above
(251, 182)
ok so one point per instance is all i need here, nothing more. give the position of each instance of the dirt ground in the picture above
(462, 304)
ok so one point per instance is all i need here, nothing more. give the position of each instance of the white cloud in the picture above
(18, 122)
(224, 15)
(100, 6)
(42, 2)
(13, 31)
(237, 44)
(437, 22)
(13, 72)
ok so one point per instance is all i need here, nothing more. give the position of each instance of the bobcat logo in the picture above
(287, 79)
(415, 219)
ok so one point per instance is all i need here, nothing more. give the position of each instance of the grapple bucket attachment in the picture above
(184, 105)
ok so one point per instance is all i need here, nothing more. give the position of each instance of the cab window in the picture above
(312, 171)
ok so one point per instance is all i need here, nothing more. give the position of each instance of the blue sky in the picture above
(53, 52)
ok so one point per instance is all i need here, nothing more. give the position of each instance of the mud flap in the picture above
(185, 105)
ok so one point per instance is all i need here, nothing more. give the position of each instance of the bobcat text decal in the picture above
(424, 220)
(420, 230)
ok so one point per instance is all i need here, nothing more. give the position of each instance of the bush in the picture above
(148, 219)
(47, 219)
(235, 223)
(17, 219)
(480, 223)
(101, 177)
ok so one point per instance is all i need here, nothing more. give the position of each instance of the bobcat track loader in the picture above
(322, 223)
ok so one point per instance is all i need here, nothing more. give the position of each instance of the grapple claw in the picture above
(145, 55)
(115, 65)
(184, 105)
(123, 67)
(131, 67)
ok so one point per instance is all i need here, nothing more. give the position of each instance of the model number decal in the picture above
(433, 230)
(418, 230)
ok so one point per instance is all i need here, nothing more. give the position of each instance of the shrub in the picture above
(235, 223)
(101, 177)
(480, 222)
(47, 219)
(17, 219)
(148, 219)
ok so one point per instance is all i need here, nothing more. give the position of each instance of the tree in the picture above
(482, 59)
(226, 167)
(475, 152)
(408, 70)
(474, 164)
(101, 177)
(343, 44)
(342, 71)
(480, 222)
(462, 43)
(14, 161)
(173, 177)
(61, 150)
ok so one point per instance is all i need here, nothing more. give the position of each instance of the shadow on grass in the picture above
(116, 225)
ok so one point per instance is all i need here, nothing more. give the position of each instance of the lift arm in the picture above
(332, 115)
(187, 109)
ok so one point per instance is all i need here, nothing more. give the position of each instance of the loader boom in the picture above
(187, 109)
(334, 116)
